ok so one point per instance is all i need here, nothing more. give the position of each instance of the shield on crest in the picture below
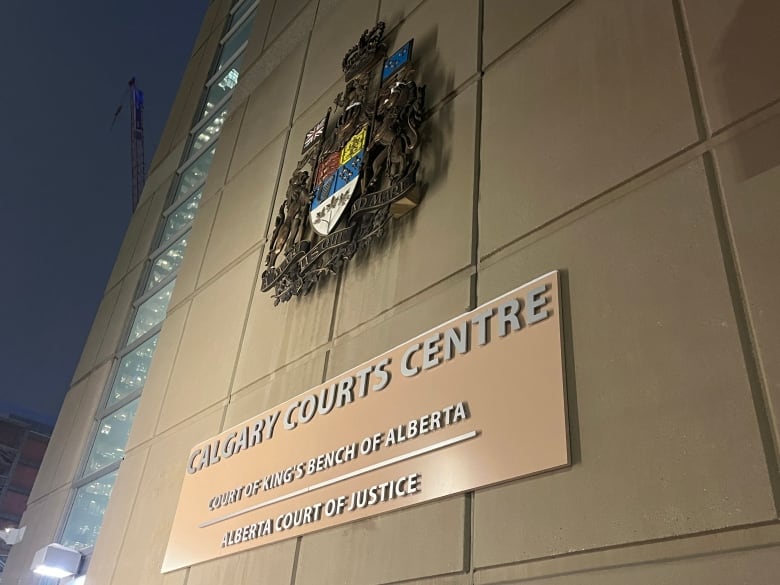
(335, 182)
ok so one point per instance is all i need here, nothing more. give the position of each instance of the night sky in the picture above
(64, 178)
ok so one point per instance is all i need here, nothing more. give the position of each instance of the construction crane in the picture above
(137, 159)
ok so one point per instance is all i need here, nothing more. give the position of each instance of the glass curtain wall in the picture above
(95, 480)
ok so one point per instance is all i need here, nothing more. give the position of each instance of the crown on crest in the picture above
(366, 53)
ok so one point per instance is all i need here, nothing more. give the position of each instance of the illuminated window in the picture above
(181, 216)
(151, 311)
(208, 130)
(195, 174)
(221, 86)
(112, 433)
(95, 481)
(132, 371)
(167, 263)
(86, 514)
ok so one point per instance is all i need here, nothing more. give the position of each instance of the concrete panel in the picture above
(278, 335)
(254, 48)
(214, 328)
(736, 50)
(175, 577)
(83, 421)
(419, 542)
(60, 438)
(285, 11)
(75, 422)
(294, 37)
(156, 206)
(149, 408)
(170, 140)
(268, 110)
(335, 32)
(162, 174)
(750, 567)
(41, 520)
(697, 546)
(275, 389)
(663, 428)
(424, 311)
(223, 11)
(586, 112)
(300, 325)
(218, 170)
(434, 240)
(243, 211)
(445, 47)
(261, 566)
(146, 537)
(457, 579)
(506, 22)
(119, 318)
(123, 259)
(196, 250)
(112, 531)
(392, 12)
(213, 10)
(750, 172)
(96, 333)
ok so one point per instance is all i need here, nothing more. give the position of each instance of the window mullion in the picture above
(114, 406)
(226, 64)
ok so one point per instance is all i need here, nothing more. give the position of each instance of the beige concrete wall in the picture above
(50, 497)
(590, 136)
(633, 145)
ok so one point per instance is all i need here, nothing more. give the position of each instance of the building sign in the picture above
(476, 401)
(358, 170)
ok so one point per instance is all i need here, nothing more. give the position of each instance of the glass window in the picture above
(182, 216)
(108, 444)
(132, 371)
(86, 515)
(112, 434)
(151, 312)
(234, 42)
(167, 262)
(221, 87)
(241, 11)
(196, 173)
(208, 131)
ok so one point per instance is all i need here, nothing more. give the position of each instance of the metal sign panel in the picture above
(476, 401)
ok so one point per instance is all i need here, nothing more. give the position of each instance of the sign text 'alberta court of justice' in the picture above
(473, 402)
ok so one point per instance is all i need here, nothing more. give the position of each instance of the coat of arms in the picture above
(356, 172)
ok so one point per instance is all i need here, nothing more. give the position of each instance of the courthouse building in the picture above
(613, 420)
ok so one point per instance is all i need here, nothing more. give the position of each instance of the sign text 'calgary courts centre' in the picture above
(476, 401)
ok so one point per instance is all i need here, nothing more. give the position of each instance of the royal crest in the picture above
(357, 170)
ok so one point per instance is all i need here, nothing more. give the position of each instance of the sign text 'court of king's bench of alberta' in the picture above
(473, 402)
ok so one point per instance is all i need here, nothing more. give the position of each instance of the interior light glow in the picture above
(230, 80)
(55, 560)
(47, 571)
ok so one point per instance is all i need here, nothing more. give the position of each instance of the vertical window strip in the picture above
(106, 447)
